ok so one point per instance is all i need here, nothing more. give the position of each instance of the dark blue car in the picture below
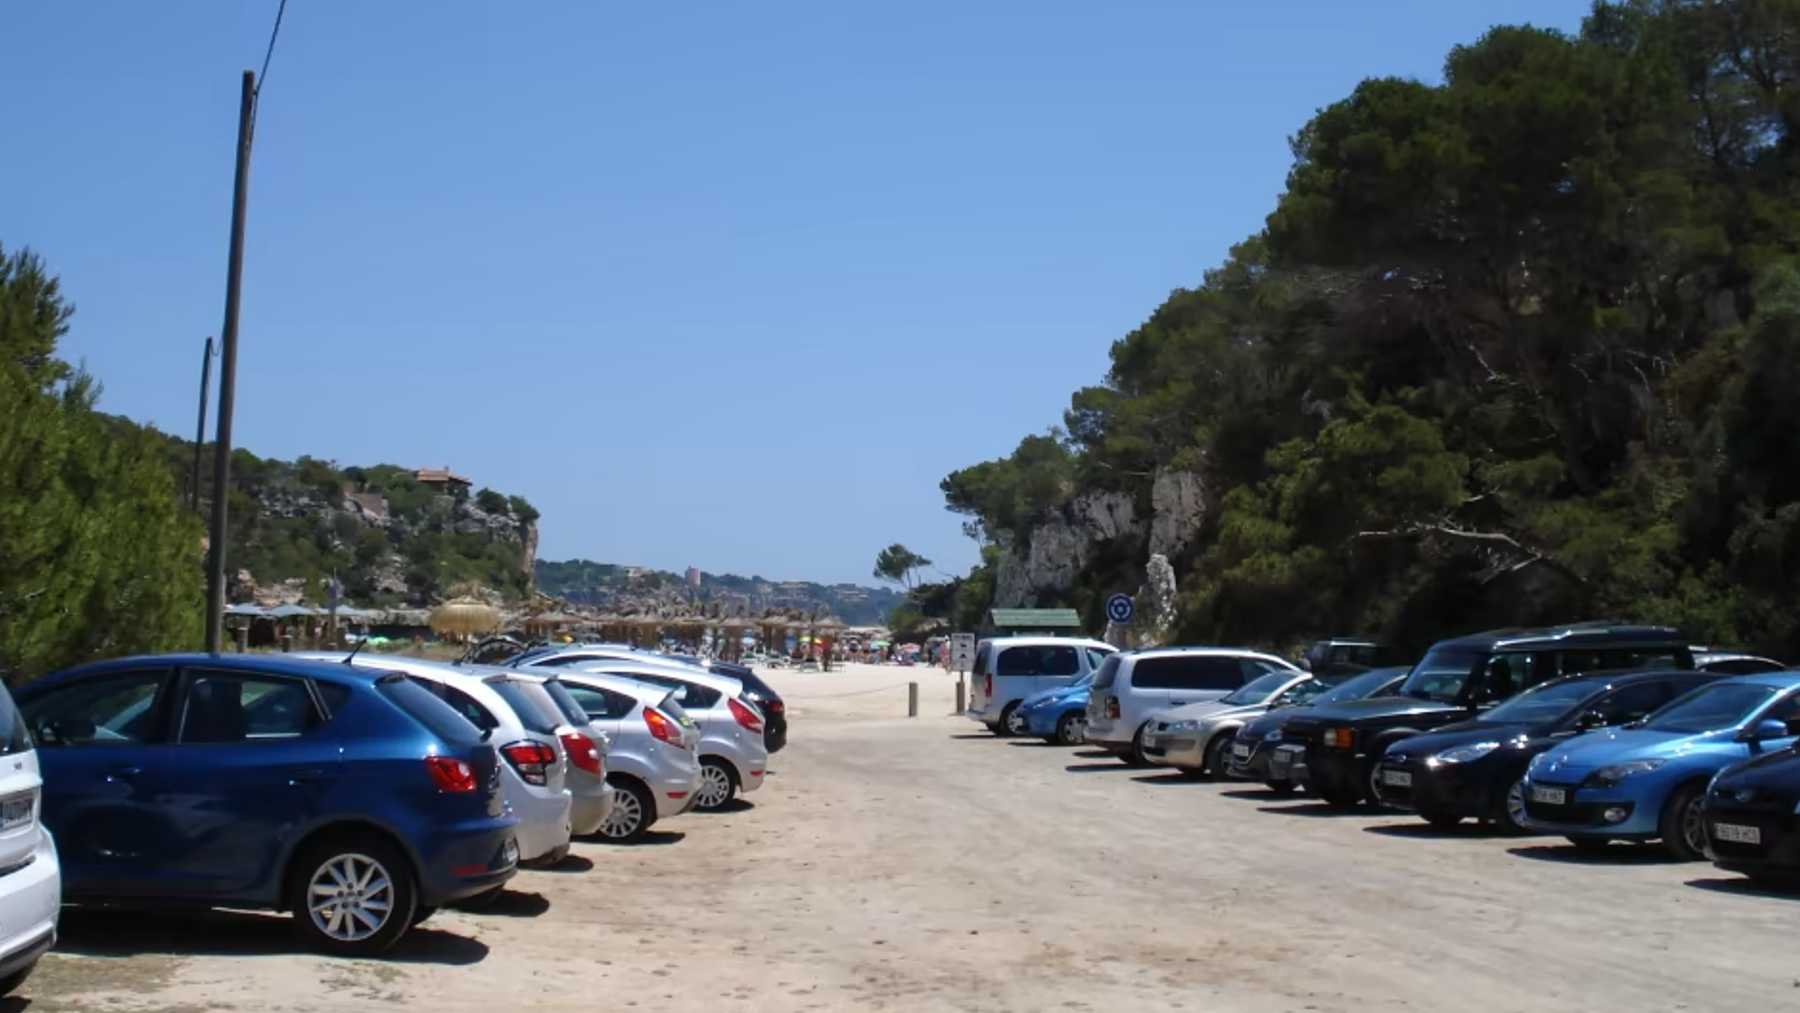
(353, 798)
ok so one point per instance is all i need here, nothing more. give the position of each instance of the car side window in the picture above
(1220, 673)
(1153, 673)
(1787, 712)
(221, 707)
(600, 703)
(1630, 703)
(1058, 661)
(1017, 661)
(121, 709)
(1095, 659)
(1506, 674)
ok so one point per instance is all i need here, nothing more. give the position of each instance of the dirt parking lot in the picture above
(896, 864)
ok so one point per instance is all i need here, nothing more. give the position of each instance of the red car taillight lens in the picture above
(531, 759)
(774, 707)
(662, 726)
(581, 751)
(987, 685)
(1112, 707)
(451, 774)
(745, 716)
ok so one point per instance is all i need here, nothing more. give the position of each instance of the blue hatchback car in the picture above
(1059, 714)
(353, 798)
(1647, 781)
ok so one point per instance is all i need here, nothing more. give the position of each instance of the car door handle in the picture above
(118, 775)
(1178, 702)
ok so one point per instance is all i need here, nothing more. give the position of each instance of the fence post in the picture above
(912, 699)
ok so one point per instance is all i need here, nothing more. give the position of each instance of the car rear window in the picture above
(13, 736)
(536, 710)
(670, 706)
(753, 682)
(428, 710)
(566, 702)
(1109, 671)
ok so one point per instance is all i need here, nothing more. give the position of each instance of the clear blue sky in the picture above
(724, 284)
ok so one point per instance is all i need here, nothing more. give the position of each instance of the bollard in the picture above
(243, 639)
(912, 699)
(960, 691)
(287, 643)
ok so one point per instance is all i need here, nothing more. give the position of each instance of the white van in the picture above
(1135, 685)
(30, 876)
(1009, 669)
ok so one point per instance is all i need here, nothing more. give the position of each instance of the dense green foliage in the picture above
(97, 557)
(1516, 346)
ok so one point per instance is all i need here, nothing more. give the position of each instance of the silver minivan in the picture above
(30, 876)
(1133, 686)
(1009, 669)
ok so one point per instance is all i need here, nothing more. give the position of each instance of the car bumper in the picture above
(468, 858)
(1175, 749)
(1254, 766)
(587, 811)
(751, 778)
(1455, 789)
(676, 796)
(1583, 814)
(1777, 852)
(982, 715)
(1332, 771)
(1041, 721)
(31, 897)
(1108, 733)
(544, 826)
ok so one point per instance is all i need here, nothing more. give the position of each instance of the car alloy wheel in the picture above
(625, 819)
(1015, 721)
(1219, 759)
(350, 897)
(1680, 827)
(1512, 816)
(1072, 729)
(716, 787)
(1005, 727)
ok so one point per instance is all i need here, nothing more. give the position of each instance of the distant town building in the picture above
(443, 479)
(693, 576)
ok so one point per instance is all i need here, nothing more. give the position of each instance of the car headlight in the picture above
(1273, 736)
(1184, 726)
(1608, 776)
(1463, 754)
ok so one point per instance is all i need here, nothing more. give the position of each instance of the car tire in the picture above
(1071, 729)
(1281, 787)
(1135, 755)
(340, 883)
(1590, 845)
(1683, 836)
(1338, 799)
(718, 785)
(1442, 821)
(1218, 756)
(11, 983)
(632, 813)
(422, 912)
(1509, 811)
(1005, 728)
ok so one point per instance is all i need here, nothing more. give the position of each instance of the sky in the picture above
(727, 285)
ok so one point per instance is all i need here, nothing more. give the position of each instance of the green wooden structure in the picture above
(1017, 622)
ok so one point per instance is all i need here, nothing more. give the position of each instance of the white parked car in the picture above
(1009, 669)
(533, 780)
(654, 760)
(30, 875)
(1133, 686)
(733, 758)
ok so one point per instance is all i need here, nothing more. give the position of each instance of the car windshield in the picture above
(534, 707)
(1548, 702)
(1259, 689)
(1305, 692)
(1710, 708)
(13, 736)
(1441, 675)
(1354, 688)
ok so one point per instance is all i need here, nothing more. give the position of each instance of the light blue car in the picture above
(1646, 781)
(1058, 715)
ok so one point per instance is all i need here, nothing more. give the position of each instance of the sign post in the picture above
(962, 658)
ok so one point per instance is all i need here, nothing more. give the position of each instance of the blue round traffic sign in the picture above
(1119, 608)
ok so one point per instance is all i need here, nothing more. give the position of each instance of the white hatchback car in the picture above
(732, 755)
(1009, 669)
(654, 761)
(30, 876)
(1133, 686)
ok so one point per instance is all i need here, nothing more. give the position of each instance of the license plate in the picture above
(1397, 778)
(1242, 752)
(1549, 796)
(1737, 834)
(15, 812)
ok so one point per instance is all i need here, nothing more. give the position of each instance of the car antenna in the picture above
(348, 658)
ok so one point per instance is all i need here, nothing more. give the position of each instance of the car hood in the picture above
(1608, 746)
(1061, 694)
(1209, 709)
(1377, 707)
(1776, 773)
(1462, 733)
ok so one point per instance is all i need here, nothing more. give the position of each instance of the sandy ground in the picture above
(921, 864)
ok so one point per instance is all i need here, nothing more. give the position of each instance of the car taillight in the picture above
(662, 726)
(531, 759)
(1340, 738)
(451, 774)
(581, 751)
(745, 716)
(987, 685)
(774, 707)
(1112, 707)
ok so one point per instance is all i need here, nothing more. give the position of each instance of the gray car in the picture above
(1197, 738)
(654, 759)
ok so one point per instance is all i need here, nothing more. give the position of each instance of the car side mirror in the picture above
(1769, 729)
(1590, 720)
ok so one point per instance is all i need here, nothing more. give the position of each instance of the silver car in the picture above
(593, 794)
(533, 780)
(654, 761)
(1197, 738)
(733, 757)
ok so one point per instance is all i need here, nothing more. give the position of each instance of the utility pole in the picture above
(228, 336)
(200, 426)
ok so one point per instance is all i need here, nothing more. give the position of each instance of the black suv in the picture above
(1334, 750)
(1349, 655)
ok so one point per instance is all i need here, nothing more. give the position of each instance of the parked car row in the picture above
(359, 793)
(1598, 732)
